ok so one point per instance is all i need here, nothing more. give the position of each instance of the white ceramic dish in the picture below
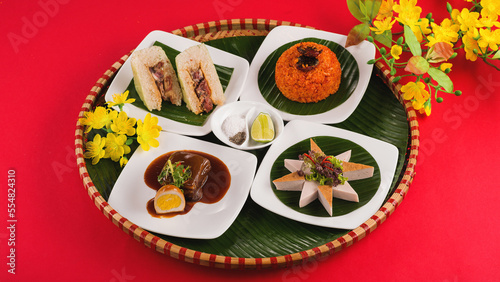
(249, 110)
(385, 154)
(284, 34)
(204, 221)
(124, 76)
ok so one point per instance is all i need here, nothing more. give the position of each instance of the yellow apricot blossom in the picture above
(415, 92)
(115, 146)
(147, 132)
(396, 51)
(120, 99)
(445, 32)
(386, 10)
(95, 149)
(489, 39)
(491, 6)
(469, 21)
(383, 25)
(407, 11)
(97, 119)
(123, 125)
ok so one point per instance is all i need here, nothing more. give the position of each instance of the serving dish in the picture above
(338, 111)
(235, 64)
(204, 221)
(248, 243)
(384, 154)
(249, 110)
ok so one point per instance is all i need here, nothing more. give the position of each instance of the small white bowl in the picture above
(249, 110)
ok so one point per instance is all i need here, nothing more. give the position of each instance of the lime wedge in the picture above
(262, 128)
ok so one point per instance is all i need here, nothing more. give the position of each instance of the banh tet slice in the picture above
(345, 156)
(354, 171)
(309, 193)
(315, 147)
(293, 165)
(325, 195)
(345, 192)
(290, 182)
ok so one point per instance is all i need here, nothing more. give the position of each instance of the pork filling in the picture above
(162, 81)
(202, 90)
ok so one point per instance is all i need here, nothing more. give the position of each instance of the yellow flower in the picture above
(97, 119)
(147, 132)
(489, 20)
(491, 6)
(454, 16)
(120, 99)
(123, 161)
(420, 27)
(115, 146)
(445, 66)
(425, 108)
(123, 125)
(489, 39)
(407, 11)
(445, 32)
(385, 10)
(416, 93)
(94, 149)
(470, 44)
(468, 20)
(383, 25)
(396, 50)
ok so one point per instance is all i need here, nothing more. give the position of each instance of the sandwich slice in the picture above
(154, 78)
(199, 81)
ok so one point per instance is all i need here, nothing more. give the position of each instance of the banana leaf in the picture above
(257, 232)
(348, 82)
(179, 113)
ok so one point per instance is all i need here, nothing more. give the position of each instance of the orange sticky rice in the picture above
(308, 72)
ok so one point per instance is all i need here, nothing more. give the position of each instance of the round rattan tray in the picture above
(230, 28)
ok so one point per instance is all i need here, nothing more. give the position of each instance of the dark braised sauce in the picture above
(215, 188)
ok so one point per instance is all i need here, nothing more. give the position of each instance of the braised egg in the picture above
(169, 198)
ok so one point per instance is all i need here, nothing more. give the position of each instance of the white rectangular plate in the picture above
(130, 193)
(124, 76)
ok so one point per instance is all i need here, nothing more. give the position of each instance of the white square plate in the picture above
(385, 154)
(285, 34)
(130, 194)
(124, 76)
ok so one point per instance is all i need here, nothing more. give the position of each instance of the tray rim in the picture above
(229, 28)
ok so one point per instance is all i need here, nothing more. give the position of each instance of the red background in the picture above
(446, 229)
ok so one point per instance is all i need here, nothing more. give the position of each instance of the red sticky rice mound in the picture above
(311, 85)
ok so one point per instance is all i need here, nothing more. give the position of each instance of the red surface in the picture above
(52, 53)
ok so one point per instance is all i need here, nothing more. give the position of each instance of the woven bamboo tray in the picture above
(230, 28)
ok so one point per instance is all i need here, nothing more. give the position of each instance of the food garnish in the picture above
(174, 173)
(262, 129)
(324, 169)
